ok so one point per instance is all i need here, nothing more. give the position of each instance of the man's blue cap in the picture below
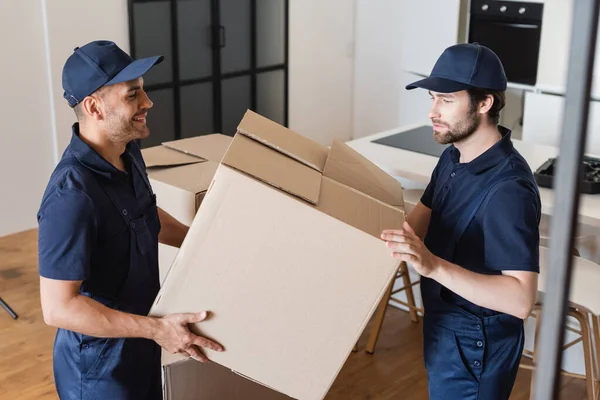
(98, 64)
(464, 66)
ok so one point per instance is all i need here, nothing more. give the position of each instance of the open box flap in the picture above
(194, 178)
(358, 209)
(209, 147)
(284, 140)
(161, 156)
(345, 165)
(274, 168)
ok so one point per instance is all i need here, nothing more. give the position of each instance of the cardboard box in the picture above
(191, 380)
(286, 253)
(180, 172)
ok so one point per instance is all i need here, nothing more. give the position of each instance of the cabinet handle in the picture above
(222, 36)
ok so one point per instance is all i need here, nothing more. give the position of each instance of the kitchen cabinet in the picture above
(543, 119)
(414, 104)
(321, 69)
(428, 27)
(555, 49)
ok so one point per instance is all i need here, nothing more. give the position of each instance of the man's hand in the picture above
(408, 247)
(175, 336)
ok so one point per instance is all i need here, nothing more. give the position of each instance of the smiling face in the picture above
(454, 117)
(125, 107)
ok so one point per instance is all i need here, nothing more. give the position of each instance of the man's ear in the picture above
(92, 108)
(486, 104)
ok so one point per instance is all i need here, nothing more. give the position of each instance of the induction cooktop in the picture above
(419, 140)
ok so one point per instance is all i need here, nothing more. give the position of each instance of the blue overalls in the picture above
(100, 225)
(470, 352)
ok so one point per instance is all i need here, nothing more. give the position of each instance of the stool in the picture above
(411, 198)
(584, 306)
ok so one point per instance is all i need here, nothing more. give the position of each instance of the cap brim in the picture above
(135, 69)
(440, 85)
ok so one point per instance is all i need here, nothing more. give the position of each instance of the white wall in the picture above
(73, 23)
(37, 36)
(321, 68)
(26, 155)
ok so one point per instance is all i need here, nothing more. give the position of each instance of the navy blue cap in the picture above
(464, 66)
(97, 64)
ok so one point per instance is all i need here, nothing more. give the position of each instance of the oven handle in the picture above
(515, 25)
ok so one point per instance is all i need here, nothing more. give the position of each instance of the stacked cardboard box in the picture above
(180, 172)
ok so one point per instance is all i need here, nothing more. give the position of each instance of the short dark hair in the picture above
(78, 108)
(477, 95)
(79, 112)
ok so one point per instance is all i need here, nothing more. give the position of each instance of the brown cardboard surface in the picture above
(357, 209)
(193, 178)
(209, 147)
(351, 168)
(283, 140)
(274, 168)
(191, 380)
(290, 287)
(160, 156)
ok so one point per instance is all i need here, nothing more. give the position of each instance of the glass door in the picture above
(222, 57)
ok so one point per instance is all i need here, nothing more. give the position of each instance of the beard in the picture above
(123, 129)
(458, 131)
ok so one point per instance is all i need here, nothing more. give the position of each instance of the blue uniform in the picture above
(485, 217)
(100, 225)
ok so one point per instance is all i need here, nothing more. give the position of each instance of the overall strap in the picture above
(142, 172)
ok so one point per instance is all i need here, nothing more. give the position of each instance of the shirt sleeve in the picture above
(67, 232)
(511, 229)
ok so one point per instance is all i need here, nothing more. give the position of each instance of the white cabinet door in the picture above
(414, 104)
(321, 69)
(555, 46)
(377, 66)
(428, 27)
(543, 119)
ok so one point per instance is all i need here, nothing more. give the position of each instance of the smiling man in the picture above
(474, 235)
(99, 229)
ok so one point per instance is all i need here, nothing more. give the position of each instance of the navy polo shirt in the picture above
(504, 234)
(82, 234)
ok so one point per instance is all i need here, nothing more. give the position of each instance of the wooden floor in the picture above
(395, 371)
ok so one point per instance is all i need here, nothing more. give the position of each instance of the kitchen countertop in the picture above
(418, 167)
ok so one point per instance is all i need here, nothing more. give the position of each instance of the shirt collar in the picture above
(491, 157)
(90, 158)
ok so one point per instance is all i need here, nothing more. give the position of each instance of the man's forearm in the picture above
(501, 293)
(172, 231)
(87, 316)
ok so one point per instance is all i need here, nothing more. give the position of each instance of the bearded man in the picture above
(474, 235)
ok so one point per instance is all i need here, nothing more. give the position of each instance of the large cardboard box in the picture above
(285, 252)
(180, 172)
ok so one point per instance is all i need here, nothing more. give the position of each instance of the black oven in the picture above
(512, 29)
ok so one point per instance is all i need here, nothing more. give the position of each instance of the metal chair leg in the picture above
(8, 309)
